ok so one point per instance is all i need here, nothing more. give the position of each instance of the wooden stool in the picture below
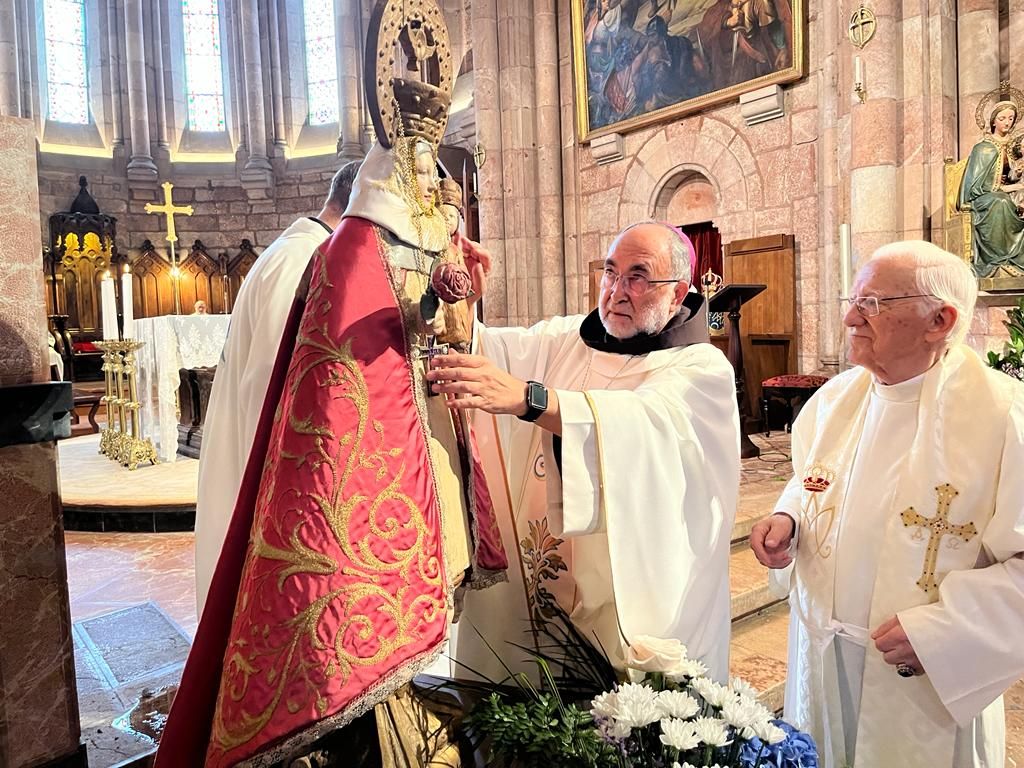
(86, 394)
(791, 390)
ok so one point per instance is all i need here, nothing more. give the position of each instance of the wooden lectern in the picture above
(729, 299)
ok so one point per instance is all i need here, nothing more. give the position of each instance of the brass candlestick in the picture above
(122, 439)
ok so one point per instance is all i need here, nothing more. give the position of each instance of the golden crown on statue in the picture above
(413, 33)
(819, 478)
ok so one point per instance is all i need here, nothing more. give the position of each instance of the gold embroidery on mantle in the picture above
(819, 521)
(298, 657)
(940, 527)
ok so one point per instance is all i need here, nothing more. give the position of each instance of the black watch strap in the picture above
(536, 401)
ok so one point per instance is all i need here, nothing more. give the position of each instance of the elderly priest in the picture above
(904, 517)
(624, 498)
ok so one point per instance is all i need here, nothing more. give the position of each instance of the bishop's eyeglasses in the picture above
(634, 284)
(871, 306)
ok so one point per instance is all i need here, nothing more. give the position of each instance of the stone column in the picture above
(1016, 53)
(114, 72)
(38, 696)
(551, 266)
(276, 86)
(978, 59)
(10, 85)
(140, 163)
(489, 136)
(876, 131)
(350, 146)
(830, 209)
(257, 173)
(157, 44)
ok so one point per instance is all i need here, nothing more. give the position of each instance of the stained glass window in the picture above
(321, 62)
(67, 85)
(204, 76)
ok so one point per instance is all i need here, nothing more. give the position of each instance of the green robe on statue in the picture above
(998, 227)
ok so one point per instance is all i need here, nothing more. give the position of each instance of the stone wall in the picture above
(224, 211)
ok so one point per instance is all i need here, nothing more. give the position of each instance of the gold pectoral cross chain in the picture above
(940, 527)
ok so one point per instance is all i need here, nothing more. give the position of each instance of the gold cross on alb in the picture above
(168, 209)
(939, 526)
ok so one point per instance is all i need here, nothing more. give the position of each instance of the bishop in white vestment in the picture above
(240, 384)
(907, 605)
(621, 505)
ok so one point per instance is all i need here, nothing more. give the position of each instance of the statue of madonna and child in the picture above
(992, 188)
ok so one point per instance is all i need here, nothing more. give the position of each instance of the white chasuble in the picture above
(630, 534)
(240, 385)
(908, 502)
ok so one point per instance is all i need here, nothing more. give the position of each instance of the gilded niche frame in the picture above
(640, 62)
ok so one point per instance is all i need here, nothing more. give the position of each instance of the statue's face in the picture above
(451, 218)
(1003, 121)
(426, 174)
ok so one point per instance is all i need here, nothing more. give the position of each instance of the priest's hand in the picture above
(478, 383)
(894, 645)
(473, 381)
(770, 539)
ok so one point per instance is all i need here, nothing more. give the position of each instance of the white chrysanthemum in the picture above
(679, 734)
(636, 705)
(604, 706)
(711, 731)
(743, 688)
(742, 712)
(677, 704)
(769, 733)
(714, 694)
(684, 765)
(688, 668)
(612, 730)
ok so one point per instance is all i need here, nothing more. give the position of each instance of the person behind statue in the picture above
(622, 466)
(360, 510)
(199, 308)
(995, 217)
(243, 373)
(904, 520)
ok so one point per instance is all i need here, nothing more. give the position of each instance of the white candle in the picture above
(108, 306)
(127, 309)
(845, 260)
(858, 72)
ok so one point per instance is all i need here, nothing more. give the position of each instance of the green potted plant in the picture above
(1011, 361)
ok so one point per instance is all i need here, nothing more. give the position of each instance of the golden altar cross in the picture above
(940, 527)
(169, 209)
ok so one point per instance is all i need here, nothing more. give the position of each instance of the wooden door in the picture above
(768, 321)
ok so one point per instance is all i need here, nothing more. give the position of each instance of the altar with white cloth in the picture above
(172, 342)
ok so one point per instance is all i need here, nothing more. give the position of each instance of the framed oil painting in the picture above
(638, 62)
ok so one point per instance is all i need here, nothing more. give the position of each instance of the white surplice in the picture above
(240, 385)
(863, 453)
(632, 531)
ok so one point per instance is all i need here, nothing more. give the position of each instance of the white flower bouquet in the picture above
(673, 716)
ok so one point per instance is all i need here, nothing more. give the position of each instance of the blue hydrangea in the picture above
(797, 751)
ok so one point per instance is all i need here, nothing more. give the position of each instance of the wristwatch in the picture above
(536, 401)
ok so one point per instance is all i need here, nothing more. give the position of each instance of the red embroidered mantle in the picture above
(330, 592)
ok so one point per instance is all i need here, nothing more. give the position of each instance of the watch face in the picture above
(537, 396)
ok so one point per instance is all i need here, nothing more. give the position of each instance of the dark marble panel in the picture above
(35, 413)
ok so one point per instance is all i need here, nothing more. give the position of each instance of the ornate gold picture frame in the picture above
(638, 62)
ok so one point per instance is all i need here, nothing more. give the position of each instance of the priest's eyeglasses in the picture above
(870, 306)
(634, 284)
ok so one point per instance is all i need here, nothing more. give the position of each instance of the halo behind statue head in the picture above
(1006, 94)
(400, 106)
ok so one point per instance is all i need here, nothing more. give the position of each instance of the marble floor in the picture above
(148, 578)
